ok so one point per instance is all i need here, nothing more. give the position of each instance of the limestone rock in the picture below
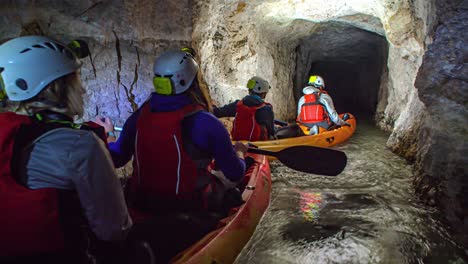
(442, 85)
(124, 38)
(400, 61)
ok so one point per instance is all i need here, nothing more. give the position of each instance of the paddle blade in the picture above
(314, 160)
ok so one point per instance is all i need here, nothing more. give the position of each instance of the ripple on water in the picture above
(367, 214)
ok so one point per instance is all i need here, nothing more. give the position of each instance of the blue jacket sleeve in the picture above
(265, 117)
(209, 134)
(122, 150)
(228, 110)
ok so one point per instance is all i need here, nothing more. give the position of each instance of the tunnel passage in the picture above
(350, 60)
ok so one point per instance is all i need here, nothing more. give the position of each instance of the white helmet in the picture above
(258, 85)
(174, 72)
(316, 81)
(28, 64)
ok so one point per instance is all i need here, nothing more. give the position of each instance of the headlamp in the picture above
(3, 94)
(162, 85)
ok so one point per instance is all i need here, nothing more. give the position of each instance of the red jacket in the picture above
(165, 173)
(312, 112)
(245, 126)
(29, 221)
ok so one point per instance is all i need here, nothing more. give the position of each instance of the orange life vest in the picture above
(312, 112)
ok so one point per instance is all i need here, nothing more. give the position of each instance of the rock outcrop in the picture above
(401, 62)
(441, 159)
(346, 42)
(124, 38)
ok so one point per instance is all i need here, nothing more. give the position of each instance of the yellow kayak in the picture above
(325, 139)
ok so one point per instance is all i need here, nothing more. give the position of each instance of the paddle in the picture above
(309, 159)
(276, 121)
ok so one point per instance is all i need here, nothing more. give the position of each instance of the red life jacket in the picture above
(312, 112)
(29, 221)
(32, 222)
(163, 172)
(245, 125)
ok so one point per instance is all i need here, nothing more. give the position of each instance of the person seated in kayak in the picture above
(59, 189)
(173, 140)
(254, 118)
(315, 109)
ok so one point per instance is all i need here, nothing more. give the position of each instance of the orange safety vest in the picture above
(312, 112)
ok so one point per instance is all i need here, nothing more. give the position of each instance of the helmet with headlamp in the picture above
(258, 85)
(316, 81)
(174, 72)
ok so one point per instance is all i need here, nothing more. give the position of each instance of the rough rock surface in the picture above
(244, 38)
(238, 39)
(409, 56)
(442, 85)
(124, 37)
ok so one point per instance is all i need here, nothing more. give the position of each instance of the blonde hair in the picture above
(200, 94)
(64, 95)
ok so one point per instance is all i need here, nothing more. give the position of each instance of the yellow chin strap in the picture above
(162, 85)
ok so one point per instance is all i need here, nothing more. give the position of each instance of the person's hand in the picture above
(345, 117)
(105, 122)
(240, 149)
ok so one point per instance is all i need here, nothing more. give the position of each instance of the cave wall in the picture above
(237, 39)
(421, 99)
(243, 38)
(124, 37)
(442, 85)
(351, 61)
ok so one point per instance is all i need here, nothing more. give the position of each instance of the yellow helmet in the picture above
(316, 81)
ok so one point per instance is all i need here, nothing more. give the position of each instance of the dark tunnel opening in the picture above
(350, 60)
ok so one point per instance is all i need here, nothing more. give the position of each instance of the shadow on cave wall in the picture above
(350, 60)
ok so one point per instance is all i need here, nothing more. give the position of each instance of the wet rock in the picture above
(442, 87)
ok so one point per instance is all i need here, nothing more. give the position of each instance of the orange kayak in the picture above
(225, 243)
(325, 139)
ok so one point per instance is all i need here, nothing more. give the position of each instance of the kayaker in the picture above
(173, 140)
(315, 108)
(58, 185)
(254, 118)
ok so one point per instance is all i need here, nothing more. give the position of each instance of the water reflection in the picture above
(367, 214)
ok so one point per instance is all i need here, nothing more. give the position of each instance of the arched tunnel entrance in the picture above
(351, 61)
